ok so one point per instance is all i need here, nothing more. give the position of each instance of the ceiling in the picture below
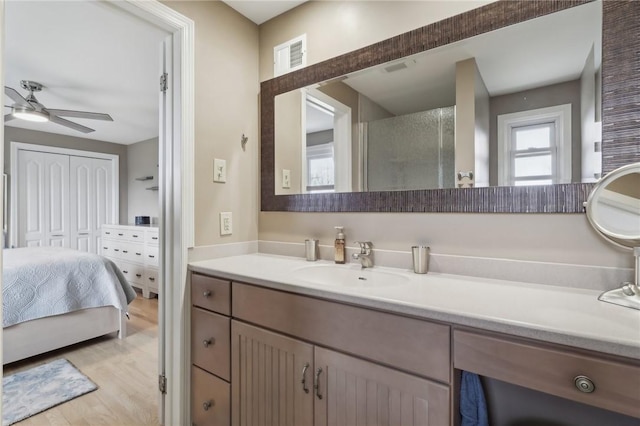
(260, 11)
(89, 56)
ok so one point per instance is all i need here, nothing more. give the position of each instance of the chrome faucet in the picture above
(365, 255)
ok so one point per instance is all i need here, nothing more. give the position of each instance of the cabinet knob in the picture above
(208, 342)
(584, 384)
(207, 293)
(207, 405)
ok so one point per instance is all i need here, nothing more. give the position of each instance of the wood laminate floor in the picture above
(126, 372)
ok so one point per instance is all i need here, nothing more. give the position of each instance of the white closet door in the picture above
(43, 199)
(92, 192)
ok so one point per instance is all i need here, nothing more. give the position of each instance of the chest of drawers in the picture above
(135, 250)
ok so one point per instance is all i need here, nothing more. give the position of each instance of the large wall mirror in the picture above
(498, 109)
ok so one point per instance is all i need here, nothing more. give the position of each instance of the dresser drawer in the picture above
(151, 255)
(134, 273)
(151, 279)
(152, 237)
(211, 293)
(413, 345)
(210, 399)
(210, 342)
(551, 370)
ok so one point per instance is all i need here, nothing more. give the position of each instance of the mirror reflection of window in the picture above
(534, 146)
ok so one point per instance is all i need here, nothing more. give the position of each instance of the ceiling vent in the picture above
(290, 56)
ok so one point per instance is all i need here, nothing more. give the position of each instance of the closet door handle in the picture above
(304, 377)
(316, 383)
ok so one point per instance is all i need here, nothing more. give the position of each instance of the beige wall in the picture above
(14, 134)
(541, 237)
(142, 160)
(226, 101)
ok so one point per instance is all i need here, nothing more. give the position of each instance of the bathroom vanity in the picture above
(287, 348)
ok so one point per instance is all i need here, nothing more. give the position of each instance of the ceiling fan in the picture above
(30, 109)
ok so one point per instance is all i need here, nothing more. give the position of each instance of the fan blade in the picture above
(17, 97)
(70, 124)
(8, 117)
(80, 114)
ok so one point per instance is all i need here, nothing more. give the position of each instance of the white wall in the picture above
(541, 237)
(142, 161)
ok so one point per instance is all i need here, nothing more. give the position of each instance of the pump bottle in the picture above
(340, 246)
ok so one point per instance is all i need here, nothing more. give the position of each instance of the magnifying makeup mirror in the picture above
(613, 209)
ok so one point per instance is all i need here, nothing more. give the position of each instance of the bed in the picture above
(54, 297)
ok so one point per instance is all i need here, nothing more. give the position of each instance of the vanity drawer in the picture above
(211, 293)
(409, 344)
(210, 399)
(551, 370)
(210, 342)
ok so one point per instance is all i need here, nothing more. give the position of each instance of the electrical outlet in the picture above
(219, 170)
(286, 178)
(226, 223)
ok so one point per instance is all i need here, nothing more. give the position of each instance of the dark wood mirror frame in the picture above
(620, 112)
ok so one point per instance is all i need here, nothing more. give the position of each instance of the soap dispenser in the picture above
(339, 245)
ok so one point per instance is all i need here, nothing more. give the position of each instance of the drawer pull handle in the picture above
(316, 383)
(151, 256)
(105, 248)
(108, 233)
(138, 275)
(125, 251)
(584, 384)
(151, 279)
(207, 405)
(154, 238)
(207, 293)
(116, 249)
(208, 342)
(135, 236)
(304, 377)
(120, 235)
(138, 254)
(125, 272)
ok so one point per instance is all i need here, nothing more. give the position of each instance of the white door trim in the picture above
(23, 146)
(177, 194)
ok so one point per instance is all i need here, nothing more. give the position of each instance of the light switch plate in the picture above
(286, 178)
(219, 170)
(226, 223)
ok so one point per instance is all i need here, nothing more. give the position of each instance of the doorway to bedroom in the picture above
(84, 56)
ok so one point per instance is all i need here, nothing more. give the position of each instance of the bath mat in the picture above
(33, 391)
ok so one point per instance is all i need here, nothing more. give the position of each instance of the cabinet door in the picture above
(267, 378)
(354, 392)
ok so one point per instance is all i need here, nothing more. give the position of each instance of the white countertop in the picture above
(569, 316)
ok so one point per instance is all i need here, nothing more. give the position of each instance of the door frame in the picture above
(15, 147)
(177, 196)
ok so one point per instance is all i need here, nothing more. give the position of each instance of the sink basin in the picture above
(348, 276)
